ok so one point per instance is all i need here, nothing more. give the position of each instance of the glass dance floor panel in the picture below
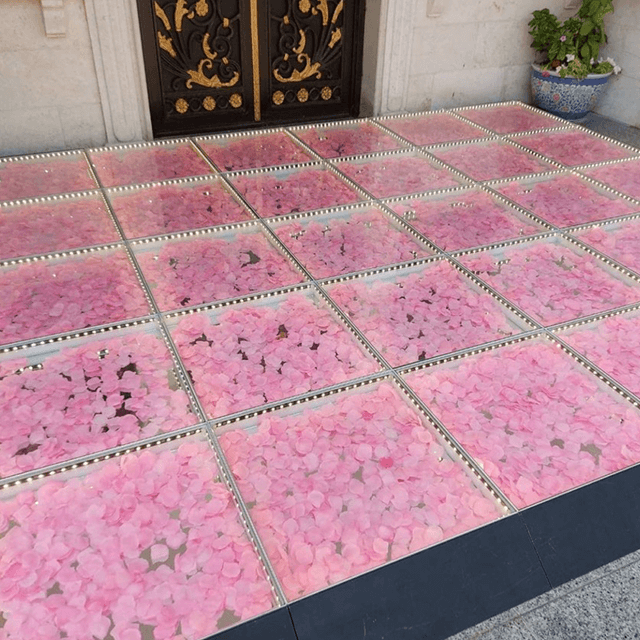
(237, 370)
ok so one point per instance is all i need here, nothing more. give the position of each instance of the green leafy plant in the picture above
(572, 47)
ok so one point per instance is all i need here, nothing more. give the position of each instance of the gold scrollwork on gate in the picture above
(214, 67)
(310, 38)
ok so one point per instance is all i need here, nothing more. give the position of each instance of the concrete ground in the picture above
(601, 605)
(612, 129)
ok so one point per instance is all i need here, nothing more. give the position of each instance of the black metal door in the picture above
(214, 65)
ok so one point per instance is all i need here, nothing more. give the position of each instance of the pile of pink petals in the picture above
(264, 150)
(573, 147)
(134, 165)
(336, 244)
(490, 160)
(620, 241)
(552, 282)
(334, 142)
(349, 485)
(54, 296)
(613, 344)
(44, 176)
(306, 189)
(46, 227)
(184, 273)
(147, 545)
(509, 119)
(566, 200)
(464, 220)
(624, 176)
(250, 355)
(86, 398)
(433, 129)
(535, 419)
(388, 176)
(424, 313)
(175, 207)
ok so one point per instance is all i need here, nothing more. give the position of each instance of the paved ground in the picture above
(602, 605)
(613, 129)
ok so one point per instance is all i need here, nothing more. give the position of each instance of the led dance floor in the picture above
(279, 380)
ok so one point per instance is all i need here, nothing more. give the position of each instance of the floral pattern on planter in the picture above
(567, 97)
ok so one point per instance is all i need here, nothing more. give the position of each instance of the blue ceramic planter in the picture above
(566, 97)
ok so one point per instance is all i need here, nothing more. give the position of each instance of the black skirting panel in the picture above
(587, 528)
(447, 588)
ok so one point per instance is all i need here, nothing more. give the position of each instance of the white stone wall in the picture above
(622, 100)
(49, 97)
(465, 52)
(472, 51)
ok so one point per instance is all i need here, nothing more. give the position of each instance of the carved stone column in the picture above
(117, 54)
(397, 19)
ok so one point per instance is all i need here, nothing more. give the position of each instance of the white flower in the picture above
(616, 69)
(593, 61)
(570, 57)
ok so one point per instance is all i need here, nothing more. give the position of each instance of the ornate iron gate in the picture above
(221, 64)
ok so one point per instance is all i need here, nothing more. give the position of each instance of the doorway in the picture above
(215, 65)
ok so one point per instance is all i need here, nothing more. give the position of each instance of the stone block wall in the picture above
(622, 100)
(49, 97)
(472, 51)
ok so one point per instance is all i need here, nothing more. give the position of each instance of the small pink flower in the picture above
(545, 74)
(563, 38)
(556, 97)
